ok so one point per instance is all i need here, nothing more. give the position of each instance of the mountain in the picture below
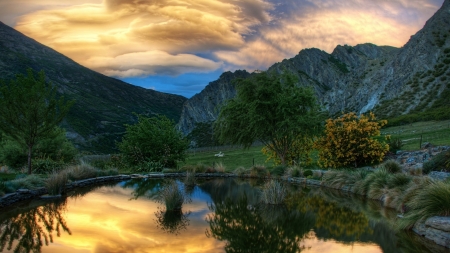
(103, 104)
(390, 81)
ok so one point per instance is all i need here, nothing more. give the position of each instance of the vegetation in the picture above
(171, 196)
(273, 193)
(392, 166)
(30, 110)
(270, 109)
(349, 140)
(56, 183)
(153, 143)
(440, 162)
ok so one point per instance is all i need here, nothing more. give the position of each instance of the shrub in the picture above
(273, 193)
(278, 170)
(349, 140)
(307, 173)
(240, 171)
(46, 165)
(171, 196)
(395, 144)
(81, 171)
(25, 182)
(433, 200)
(219, 167)
(299, 152)
(293, 172)
(259, 171)
(154, 140)
(437, 163)
(56, 183)
(392, 166)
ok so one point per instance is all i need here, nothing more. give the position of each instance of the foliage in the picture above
(349, 140)
(433, 200)
(440, 162)
(392, 166)
(28, 182)
(51, 153)
(56, 183)
(81, 171)
(278, 170)
(298, 153)
(395, 144)
(202, 135)
(273, 193)
(307, 173)
(30, 110)
(153, 143)
(268, 108)
(293, 172)
(259, 171)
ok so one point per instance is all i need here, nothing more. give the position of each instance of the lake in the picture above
(222, 215)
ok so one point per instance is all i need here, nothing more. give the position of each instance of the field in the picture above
(412, 135)
(435, 132)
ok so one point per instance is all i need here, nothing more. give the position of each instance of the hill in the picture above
(409, 83)
(103, 104)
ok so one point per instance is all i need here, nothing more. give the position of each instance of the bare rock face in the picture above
(366, 77)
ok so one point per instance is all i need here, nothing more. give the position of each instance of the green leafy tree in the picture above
(153, 140)
(271, 109)
(30, 110)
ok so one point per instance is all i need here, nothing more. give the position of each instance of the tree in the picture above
(349, 140)
(153, 140)
(271, 109)
(30, 109)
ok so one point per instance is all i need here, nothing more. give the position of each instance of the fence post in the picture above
(420, 144)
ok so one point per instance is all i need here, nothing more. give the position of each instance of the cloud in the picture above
(128, 38)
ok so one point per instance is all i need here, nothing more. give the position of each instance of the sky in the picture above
(179, 46)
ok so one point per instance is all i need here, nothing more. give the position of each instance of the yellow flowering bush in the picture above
(349, 141)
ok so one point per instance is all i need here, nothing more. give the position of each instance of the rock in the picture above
(437, 222)
(438, 175)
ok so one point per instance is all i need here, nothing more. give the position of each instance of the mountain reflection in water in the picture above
(225, 215)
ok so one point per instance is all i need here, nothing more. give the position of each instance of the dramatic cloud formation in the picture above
(139, 38)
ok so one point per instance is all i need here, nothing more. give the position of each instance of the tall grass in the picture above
(273, 193)
(433, 200)
(171, 196)
(56, 183)
(81, 171)
(28, 182)
(189, 181)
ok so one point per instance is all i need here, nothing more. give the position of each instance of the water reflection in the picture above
(261, 228)
(28, 230)
(173, 221)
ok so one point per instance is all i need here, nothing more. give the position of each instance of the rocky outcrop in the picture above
(436, 229)
(391, 81)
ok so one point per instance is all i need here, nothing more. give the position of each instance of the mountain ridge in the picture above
(103, 104)
(366, 77)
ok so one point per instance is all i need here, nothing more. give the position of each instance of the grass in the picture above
(232, 159)
(435, 132)
(56, 183)
(432, 200)
(273, 193)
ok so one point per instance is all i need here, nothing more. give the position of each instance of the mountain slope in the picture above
(103, 104)
(390, 81)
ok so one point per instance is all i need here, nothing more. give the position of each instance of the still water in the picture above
(223, 215)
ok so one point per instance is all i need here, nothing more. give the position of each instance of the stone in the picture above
(439, 175)
(437, 222)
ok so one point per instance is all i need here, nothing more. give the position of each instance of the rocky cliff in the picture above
(390, 81)
(103, 104)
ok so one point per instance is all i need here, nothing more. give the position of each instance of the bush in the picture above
(278, 170)
(273, 193)
(432, 200)
(240, 171)
(81, 171)
(26, 182)
(46, 165)
(307, 173)
(56, 183)
(153, 140)
(438, 163)
(395, 144)
(219, 167)
(392, 166)
(349, 140)
(259, 171)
